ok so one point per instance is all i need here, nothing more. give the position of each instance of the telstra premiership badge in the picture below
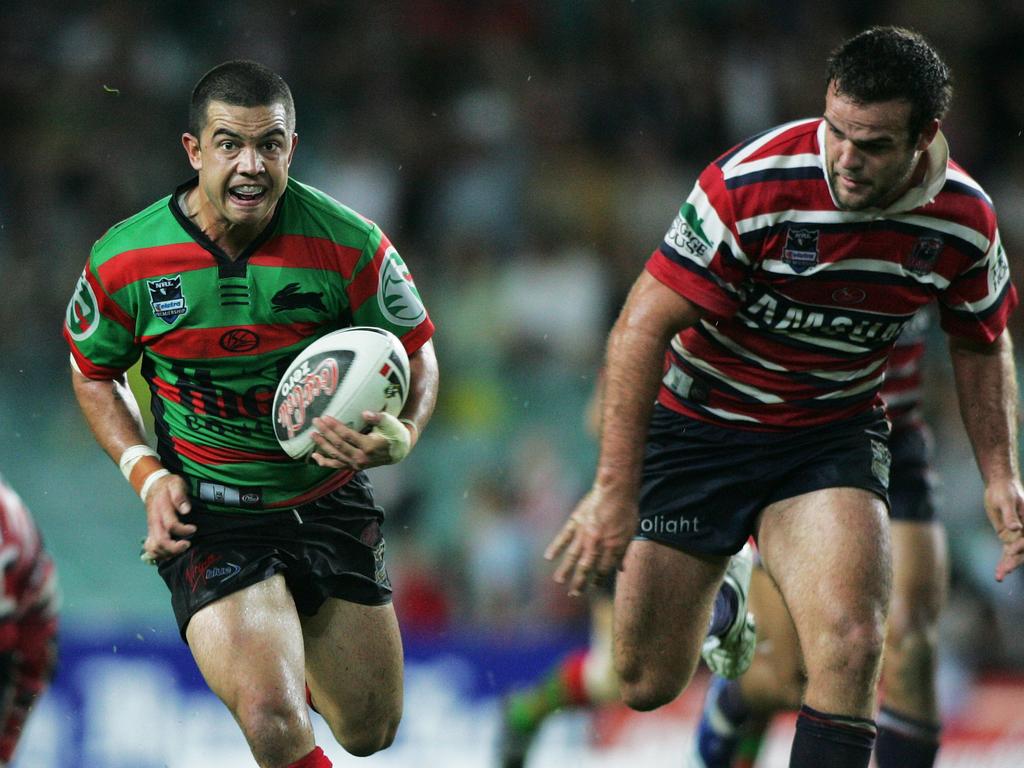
(166, 298)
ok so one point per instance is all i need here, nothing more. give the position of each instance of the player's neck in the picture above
(231, 238)
(914, 179)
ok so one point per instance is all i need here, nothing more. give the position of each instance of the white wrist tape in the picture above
(395, 432)
(147, 484)
(131, 457)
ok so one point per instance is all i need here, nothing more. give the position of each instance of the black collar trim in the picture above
(228, 267)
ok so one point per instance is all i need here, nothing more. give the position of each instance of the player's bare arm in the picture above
(986, 382)
(113, 415)
(594, 538)
(391, 438)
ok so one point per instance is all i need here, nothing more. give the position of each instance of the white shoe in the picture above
(730, 654)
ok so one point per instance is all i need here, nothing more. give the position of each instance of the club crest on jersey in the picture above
(83, 314)
(396, 295)
(801, 251)
(926, 252)
(291, 297)
(166, 298)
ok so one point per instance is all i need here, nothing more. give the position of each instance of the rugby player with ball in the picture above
(259, 516)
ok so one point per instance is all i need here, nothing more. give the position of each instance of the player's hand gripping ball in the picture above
(341, 374)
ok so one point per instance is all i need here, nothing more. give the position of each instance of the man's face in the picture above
(870, 156)
(242, 158)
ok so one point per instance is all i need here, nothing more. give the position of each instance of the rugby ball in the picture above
(341, 374)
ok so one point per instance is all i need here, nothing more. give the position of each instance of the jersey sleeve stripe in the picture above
(967, 189)
(89, 369)
(418, 336)
(697, 286)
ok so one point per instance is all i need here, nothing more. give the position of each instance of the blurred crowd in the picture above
(525, 158)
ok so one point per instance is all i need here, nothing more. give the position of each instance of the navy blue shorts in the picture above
(331, 547)
(703, 485)
(912, 482)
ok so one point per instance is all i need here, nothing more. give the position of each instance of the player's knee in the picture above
(272, 728)
(642, 689)
(365, 739)
(645, 695)
(850, 648)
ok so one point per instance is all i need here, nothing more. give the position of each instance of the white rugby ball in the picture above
(341, 374)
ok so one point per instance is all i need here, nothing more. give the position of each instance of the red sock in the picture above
(315, 759)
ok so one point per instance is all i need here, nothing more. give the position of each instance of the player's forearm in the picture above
(986, 382)
(633, 371)
(113, 415)
(424, 378)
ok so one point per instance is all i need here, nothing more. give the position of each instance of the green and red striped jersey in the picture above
(215, 335)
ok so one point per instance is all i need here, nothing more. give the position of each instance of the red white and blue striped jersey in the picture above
(28, 580)
(802, 302)
(902, 389)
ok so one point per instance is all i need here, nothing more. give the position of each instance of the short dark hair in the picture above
(884, 63)
(239, 83)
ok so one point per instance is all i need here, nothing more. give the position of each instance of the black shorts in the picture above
(331, 547)
(703, 485)
(912, 486)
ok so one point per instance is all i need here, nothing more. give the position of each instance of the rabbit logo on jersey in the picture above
(83, 314)
(396, 294)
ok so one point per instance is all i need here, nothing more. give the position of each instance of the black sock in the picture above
(904, 742)
(831, 741)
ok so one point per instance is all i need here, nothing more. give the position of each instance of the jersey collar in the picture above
(228, 266)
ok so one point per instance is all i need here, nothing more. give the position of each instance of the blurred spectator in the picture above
(526, 154)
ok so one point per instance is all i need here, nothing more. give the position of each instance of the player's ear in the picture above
(927, 135)
(291, 151)
(191, 145)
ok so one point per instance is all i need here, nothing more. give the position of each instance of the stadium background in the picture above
(525, 157)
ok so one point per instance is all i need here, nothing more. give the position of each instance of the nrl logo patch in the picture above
(801, 251)
(926, 252)
(166, 298)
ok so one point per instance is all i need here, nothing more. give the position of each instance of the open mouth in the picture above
(248, 194)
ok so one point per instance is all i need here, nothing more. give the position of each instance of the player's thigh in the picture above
(248, 644)
(829, 553)
(776, 677)
(663, 600)
(354, 661)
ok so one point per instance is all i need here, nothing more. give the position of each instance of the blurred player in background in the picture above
(767, 317)
(28, 619)
(737, 712)
(276, 567)
(586, 677)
